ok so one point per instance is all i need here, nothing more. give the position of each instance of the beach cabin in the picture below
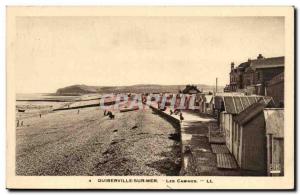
(249, 139)
(227, 120)
(205, 103)
(230, 107)
(275, 141)
(202, 103)
(209, 104)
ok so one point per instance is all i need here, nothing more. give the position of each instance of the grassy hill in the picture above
(85, 89)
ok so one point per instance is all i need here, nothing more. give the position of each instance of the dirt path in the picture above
(67, 143)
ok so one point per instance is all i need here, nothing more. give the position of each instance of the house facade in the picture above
(275, 88)
(236, 76)
(251, 77)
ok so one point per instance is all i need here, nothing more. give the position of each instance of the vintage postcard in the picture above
(150, 97)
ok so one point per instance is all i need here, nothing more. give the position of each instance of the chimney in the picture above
(232, 65)
(260, 56)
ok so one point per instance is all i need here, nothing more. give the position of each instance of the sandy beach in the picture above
(89, 143)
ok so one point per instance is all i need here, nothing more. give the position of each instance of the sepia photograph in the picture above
(150, 97)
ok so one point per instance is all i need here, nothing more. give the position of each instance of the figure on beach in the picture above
(181, 117)
(110, 115)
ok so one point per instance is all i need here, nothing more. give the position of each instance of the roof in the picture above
(218, 99)
(193, 91)
(249, 70)
(274, 122)
(236, 104)
(241, 67)
(244, 65)
(251, 111)
(221, 94)
(268, 62)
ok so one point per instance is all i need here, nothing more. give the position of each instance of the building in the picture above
(249, 139)
(209, 104)
(263, 70)
(227, 88)
(253, 132)
(275, 141)
(237, 76)
(251, 77)
(257, 139)
(191, 89)
(275, 88)
(230, 106)
(205, 103)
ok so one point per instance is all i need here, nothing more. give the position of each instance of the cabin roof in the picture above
(250, 112)
(236, 104)
(274, 122)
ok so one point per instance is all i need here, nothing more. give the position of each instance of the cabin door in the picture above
(234, 141)
(237, 143)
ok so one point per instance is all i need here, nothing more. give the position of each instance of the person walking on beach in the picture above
(181, 117)
(110, 115)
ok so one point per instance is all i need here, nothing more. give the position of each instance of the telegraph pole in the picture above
(216, 84)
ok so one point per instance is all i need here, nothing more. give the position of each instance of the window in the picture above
(258, 76)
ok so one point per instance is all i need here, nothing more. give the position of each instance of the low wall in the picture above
(177, 125)
(174, 121)
(77, 107)
(84, 106)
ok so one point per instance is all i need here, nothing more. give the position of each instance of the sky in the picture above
(54, 52)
